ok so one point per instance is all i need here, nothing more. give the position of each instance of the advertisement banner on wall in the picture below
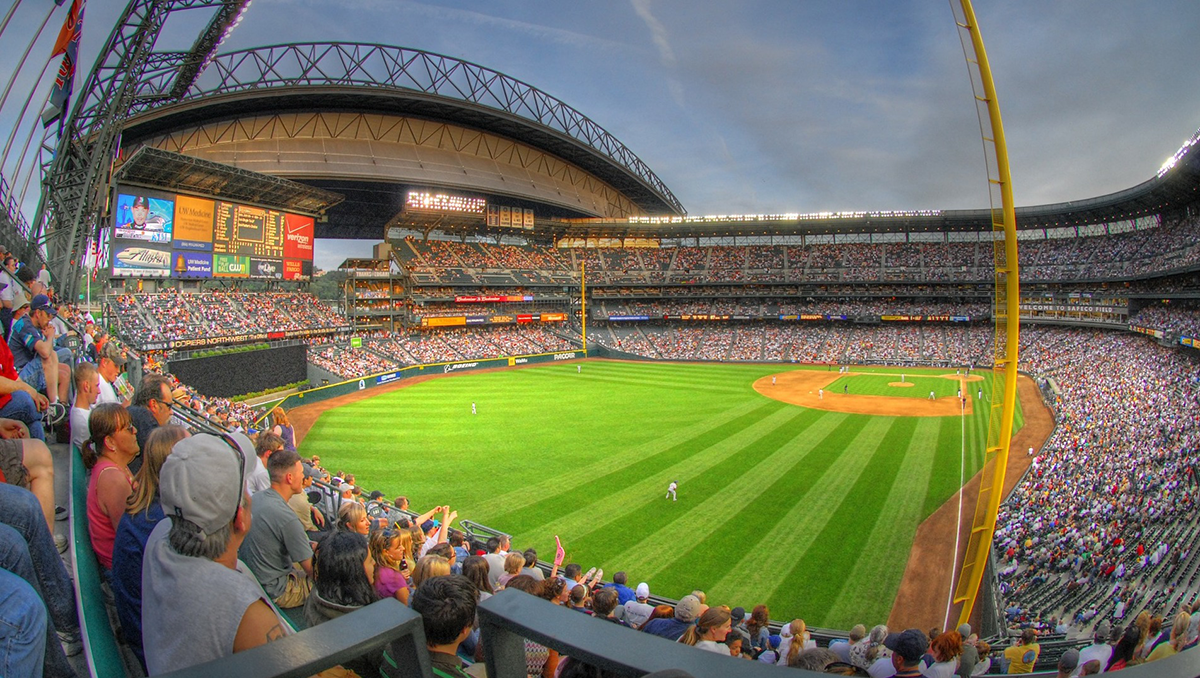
(272, 269)
(298, 236)
(453, 321)
(140, 260)
(295, 270)
(191, 265)
(193, 224)
(230, 266)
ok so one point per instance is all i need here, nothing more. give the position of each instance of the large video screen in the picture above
(157, 234)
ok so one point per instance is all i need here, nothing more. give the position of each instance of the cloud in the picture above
(658, 33)
(450, 15)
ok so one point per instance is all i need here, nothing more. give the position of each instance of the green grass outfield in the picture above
(810, 512)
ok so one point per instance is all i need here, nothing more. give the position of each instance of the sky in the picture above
(790, 105)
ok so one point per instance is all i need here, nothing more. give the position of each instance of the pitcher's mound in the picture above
(901, 384)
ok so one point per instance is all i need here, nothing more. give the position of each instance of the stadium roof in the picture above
(401, 81)
(185, 174)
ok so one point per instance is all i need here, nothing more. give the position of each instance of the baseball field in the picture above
(801, 488)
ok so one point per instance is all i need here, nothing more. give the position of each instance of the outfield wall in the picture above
(316, 395)
(237, 372)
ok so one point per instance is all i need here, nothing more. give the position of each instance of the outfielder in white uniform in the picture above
(671, 490)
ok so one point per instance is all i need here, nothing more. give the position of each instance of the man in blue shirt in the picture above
(38, 362)
(686, 611)
(624, 593)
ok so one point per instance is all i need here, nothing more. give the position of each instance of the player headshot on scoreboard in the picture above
(139, 211)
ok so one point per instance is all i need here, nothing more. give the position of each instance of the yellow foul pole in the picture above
(583, 301)
(1006, 312)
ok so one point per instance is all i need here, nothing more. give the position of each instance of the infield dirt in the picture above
(803, 388)
(933, 562)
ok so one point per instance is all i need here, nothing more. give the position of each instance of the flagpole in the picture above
(17, 71)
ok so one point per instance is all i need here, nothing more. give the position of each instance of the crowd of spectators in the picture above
(1182, 317)
(386, 351)
(773, 307)
(1103, 526)
(1100, 530)
(810, 342)
(1164, 248)
(1061, 541)
(170, 315)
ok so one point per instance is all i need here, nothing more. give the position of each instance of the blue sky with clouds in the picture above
(796, 105)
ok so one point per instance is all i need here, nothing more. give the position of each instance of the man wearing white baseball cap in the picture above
(199, 602)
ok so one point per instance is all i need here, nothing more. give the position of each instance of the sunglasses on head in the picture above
(241, 460)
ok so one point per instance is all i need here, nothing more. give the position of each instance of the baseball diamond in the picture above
(783, 502)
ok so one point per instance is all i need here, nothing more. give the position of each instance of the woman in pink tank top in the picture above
(111, 445)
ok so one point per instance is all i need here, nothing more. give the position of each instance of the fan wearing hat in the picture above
(1099, 649)
(38, 362)
(199, 602)
(907, 649)
(686, 612)
(637, 611)
(111, 359)
(18, 399)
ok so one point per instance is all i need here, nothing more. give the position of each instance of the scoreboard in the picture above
(159, 235)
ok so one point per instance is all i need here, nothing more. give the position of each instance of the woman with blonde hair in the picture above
(1142, 623)
(109, 449)
(794, 640)
(513, 563)
(283, 428)
(141, 515)
(429, 567)
(352, 517)
(389, 548)
(710, 630)
(1179, 631)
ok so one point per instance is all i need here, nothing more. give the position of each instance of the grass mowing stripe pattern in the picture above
(777, 504)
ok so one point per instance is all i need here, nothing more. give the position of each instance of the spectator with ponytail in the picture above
(709, 631)
(112, 444)
(143, 513)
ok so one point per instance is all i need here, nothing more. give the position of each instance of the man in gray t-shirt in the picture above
(199, 603)
(277, 541)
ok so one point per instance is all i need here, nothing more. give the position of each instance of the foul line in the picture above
(962, 468)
